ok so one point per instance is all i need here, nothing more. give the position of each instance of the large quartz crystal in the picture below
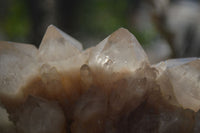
(109, 88)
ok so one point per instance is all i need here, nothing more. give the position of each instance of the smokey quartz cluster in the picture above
(109, 88)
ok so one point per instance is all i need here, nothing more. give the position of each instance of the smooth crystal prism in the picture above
(108, 88)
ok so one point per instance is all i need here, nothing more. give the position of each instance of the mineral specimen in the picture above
(109, 88)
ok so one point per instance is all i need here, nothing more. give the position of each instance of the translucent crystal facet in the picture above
(119, 51)
(57, 45)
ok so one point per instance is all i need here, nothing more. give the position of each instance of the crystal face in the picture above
(56, 45)
(119, 51)
(109, 88)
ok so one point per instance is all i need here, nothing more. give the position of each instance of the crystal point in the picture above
(119, 51)
(57, 45)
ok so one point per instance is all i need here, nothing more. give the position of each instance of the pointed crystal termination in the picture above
(57, 45)
(119, 84)
(51, 79)
(17, 65)
(38, 115)
(120, 51)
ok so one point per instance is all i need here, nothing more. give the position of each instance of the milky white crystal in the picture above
(179, 79)
(17, 65)
(185, 80)
(57, 45)
(119, 51)
(163, 65)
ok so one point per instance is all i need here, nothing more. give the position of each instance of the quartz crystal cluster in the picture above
(109, 88)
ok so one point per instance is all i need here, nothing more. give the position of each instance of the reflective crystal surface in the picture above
(57, 45)
(120, 51)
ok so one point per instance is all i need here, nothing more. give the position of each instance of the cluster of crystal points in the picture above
(109, 88)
